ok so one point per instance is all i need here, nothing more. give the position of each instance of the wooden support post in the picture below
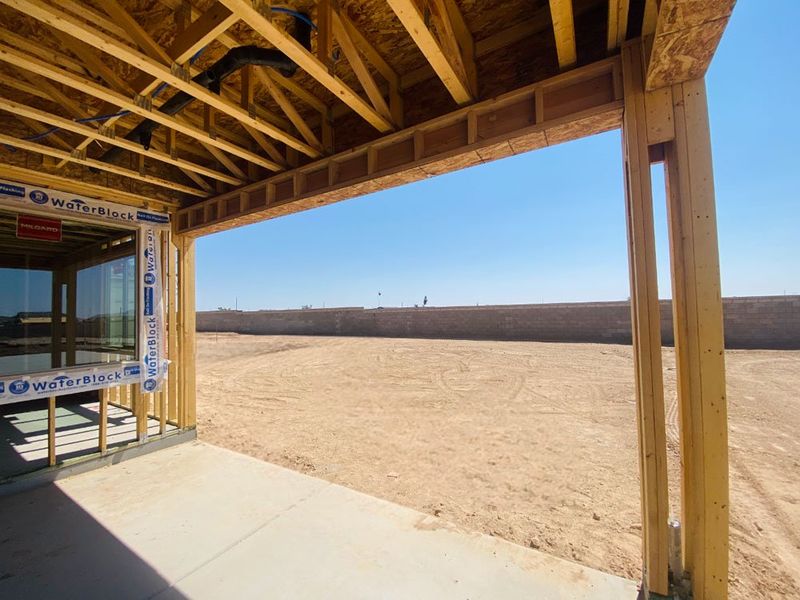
(139, 411)
(103, 425)
(186, 333)
(172, 331)
(699, 344)
(645, 318)
(51, 431)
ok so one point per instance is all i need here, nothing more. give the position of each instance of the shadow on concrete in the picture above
(50, 547)
(23, 432)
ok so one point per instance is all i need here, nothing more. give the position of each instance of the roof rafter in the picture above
(308, 62)
(564, 31)
(21, 60)
(29, 112)
(440, 56)
(94, 37)
(97, 164)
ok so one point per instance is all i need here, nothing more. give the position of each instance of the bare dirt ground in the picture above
(532, 442)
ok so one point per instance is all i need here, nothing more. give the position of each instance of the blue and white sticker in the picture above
(59, 382)
(54, 201)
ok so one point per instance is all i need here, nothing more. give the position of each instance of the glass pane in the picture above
(106, 312)
(25, 327)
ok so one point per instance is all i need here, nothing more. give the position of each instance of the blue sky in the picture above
(548, 226)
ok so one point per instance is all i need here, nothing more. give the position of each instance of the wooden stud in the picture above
(172, 330)
(124, 397)
(414, 22)
(102, 442)
(51, 431)
(307, 61)
(699, 344)
(139, 407)
(564, 31)
(186, 333)
(645, 317)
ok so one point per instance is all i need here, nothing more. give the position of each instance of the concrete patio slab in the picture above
(198, 521)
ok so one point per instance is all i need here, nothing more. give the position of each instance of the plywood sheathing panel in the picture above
(686, 38)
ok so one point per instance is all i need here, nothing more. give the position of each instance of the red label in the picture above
(36, 228)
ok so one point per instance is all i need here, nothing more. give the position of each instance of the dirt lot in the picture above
(532, 442)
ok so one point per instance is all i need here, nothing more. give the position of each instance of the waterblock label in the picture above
(62, 203)
(67, 381)
(151, 313)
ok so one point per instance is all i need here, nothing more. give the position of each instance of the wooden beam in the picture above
(617, 23)
(646, 326)
(464, 40)
(699, 344)
(201, 32)
(39, 115)
(60, 20)
(38, 128)
(51, 431)
(359, 67)
(39, 177)
(173, 389)
(97, 164)
(414, 22)
(324, 49)
(564, 31)
(650, 17)
(186, 332)
(102, 430)
(686, 38)
(307, 61)
(19, 59)
(140, 37)
(586, 100)
(196, 36)
(376, 59)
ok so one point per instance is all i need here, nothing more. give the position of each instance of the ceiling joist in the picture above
(564, 31)
(174, 76)
(29, 112)
(97, 164)
(88, 86)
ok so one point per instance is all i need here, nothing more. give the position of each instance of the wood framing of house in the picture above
(386, 92)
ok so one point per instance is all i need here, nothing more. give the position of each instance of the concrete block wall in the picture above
(750, 322)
